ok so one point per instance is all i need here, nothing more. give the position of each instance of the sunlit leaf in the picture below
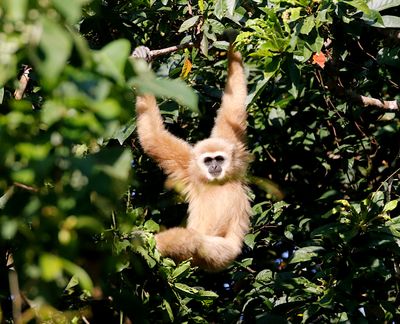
(188, 23)
(187, 67)
(56, 45)
(380, 5)
(111, 59)
(391, 205)
(305, 254)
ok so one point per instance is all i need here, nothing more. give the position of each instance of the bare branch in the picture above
(23, 83)
(25, 187)
(373, 102)
(167, 50)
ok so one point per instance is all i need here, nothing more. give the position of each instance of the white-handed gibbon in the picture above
(211, 172)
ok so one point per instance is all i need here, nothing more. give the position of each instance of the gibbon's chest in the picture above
(213, 207)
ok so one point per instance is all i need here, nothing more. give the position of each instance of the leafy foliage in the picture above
(80, 201)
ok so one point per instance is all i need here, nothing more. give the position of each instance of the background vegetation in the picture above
(79, 200)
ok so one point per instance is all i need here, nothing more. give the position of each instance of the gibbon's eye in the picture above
(208, 160)
(219, 158)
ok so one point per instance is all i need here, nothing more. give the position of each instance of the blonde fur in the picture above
(219, 209)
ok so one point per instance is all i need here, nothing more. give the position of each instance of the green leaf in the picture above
(151, 226)
(15, 9)
(305, 254)
(166, 306)
(56, 45)
(181, 270)
(380, 5)
(265, 276)
(216, 26)
(107, 109)
(123, 132)
(1, 95)
(52, 112)
(219, 8)
(111, 59)
(360, 5)
(230, 5)
(120, 168)
(194, 293)
(204, 45)
(25, 176)
(176, 89)
(188, 23)
(391, 21)
(70, 9)
(51, 266)
(308, 25)
(81, 275)
(391, 205)
(8, 228)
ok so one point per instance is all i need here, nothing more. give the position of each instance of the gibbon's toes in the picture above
(177, 243)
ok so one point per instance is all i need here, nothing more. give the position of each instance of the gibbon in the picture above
(212, 173)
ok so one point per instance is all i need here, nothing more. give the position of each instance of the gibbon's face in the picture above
(214, 158)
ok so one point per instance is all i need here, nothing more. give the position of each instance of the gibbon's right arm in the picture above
(171, 153)
(231, 117)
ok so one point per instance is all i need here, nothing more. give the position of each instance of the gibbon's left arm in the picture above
(230, 122)
(171, 153)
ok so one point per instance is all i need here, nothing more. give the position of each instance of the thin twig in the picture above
(24, 186)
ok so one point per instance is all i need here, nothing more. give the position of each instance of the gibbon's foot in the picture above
(177, 243)
(212, 253)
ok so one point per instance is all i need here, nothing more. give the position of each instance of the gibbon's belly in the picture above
(213, 209)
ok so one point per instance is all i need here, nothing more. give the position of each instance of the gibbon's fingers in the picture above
(142, 52)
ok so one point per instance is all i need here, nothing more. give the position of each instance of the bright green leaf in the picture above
(307, 25)
(391, 205)
(188, 23)
(111, 59)
(56, 45)
(51, 266)
(380, 5)
(305, 254)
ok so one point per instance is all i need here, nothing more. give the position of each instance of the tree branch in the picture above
(23, 83)
(167, 50)
(372, 102)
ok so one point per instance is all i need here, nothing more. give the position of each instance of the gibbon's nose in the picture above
(215, 169)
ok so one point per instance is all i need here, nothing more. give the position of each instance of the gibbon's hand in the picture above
(142, 52)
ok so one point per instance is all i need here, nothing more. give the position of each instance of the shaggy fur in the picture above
(219, 210)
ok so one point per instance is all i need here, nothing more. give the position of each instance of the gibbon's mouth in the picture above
(215, 174)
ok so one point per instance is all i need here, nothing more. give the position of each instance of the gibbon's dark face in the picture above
(213, 157)
(215, 164)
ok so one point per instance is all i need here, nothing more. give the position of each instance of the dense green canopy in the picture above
(80, 201)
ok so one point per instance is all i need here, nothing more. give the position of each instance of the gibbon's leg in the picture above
(231, 117)
(172, 154)
(212, 253)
